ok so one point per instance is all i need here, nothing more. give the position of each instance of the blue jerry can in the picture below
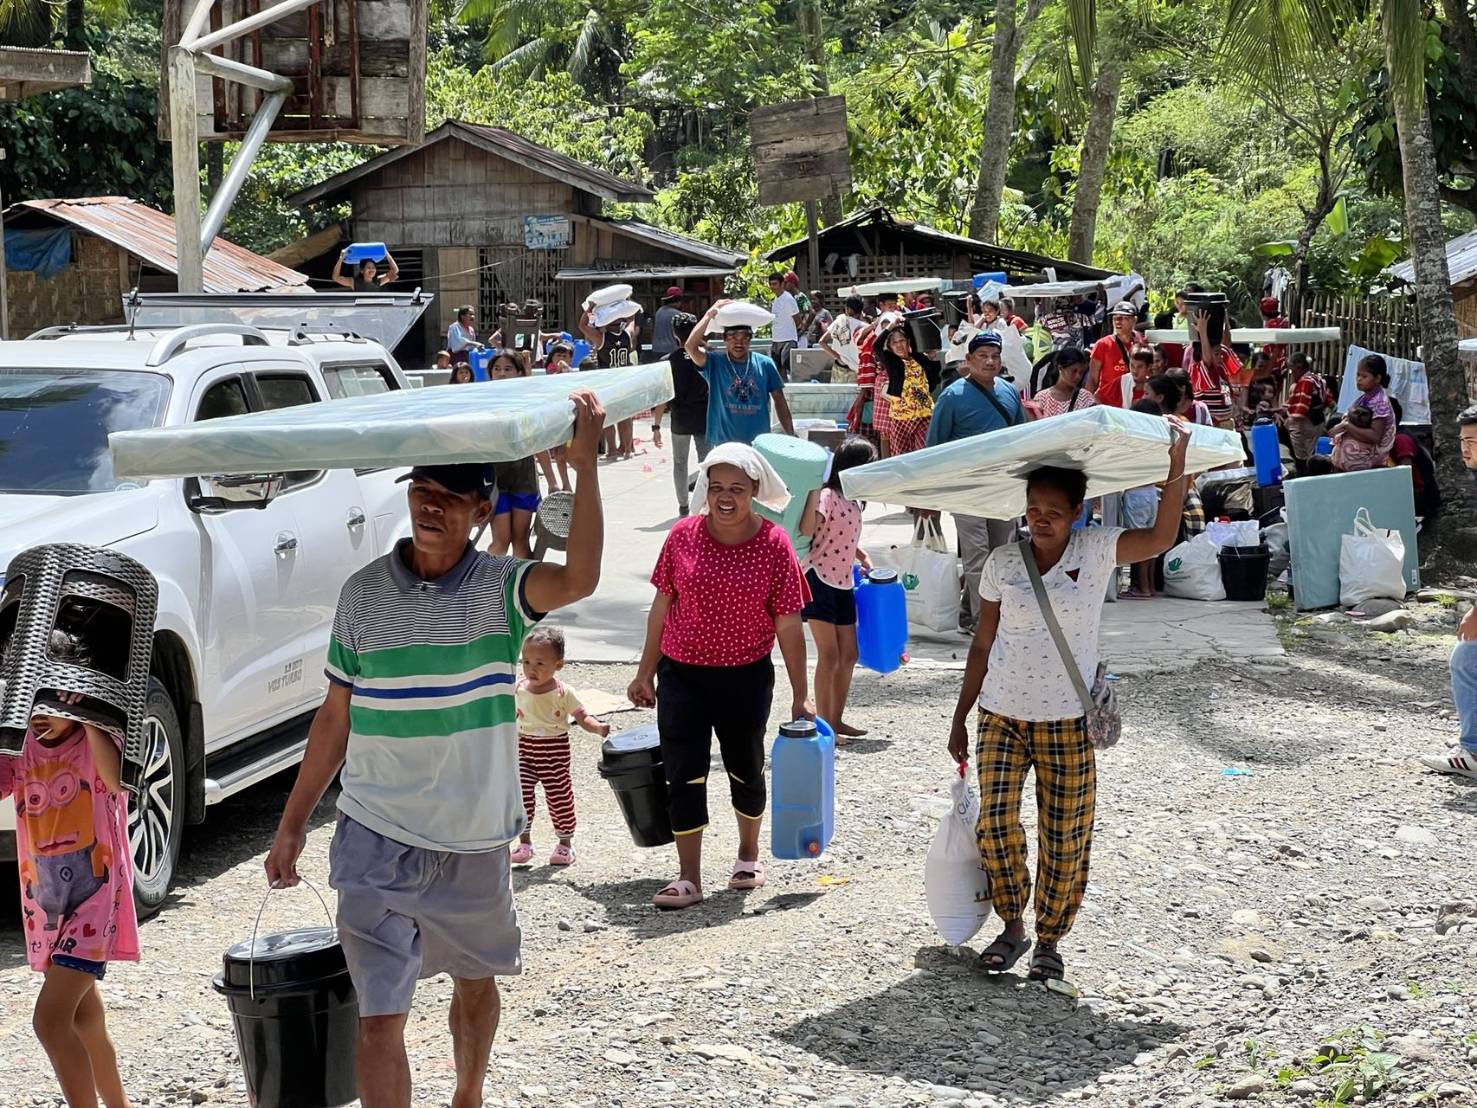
(802, 769)
(881, 619)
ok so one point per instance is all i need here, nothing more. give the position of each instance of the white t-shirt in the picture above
(785, 310)
(842, 337)
(1026, 679)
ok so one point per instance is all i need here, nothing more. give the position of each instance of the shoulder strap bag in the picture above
(989, 394)
(1102, 718)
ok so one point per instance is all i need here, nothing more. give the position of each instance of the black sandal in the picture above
(1047, 965)
(1008, 951)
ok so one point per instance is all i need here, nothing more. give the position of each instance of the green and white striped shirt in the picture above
(433, 738)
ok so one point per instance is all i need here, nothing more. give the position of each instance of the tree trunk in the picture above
(215, 166)
(1451, 390)
(1103, 110)
(984, 216)
(1462, 34)
(73, 24)
(1313, 217)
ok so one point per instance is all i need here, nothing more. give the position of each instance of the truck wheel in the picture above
(156, 817)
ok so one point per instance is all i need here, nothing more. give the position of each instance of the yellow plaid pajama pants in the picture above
(1066, 793)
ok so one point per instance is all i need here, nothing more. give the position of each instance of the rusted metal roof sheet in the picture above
(149, 234)
(680, 244)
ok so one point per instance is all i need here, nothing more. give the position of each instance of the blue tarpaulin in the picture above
(45, 253)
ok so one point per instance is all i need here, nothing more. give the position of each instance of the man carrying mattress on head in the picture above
(740, 382)
(421, 715)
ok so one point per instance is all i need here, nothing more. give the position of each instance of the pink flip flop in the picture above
(755, 880)
(677, 895)
(522, 854)
(563, 855)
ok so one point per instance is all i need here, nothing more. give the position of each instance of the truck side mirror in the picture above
(232, 493)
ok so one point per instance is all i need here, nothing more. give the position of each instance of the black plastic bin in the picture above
(1244, 571)
(296, 1016)
(632, 763)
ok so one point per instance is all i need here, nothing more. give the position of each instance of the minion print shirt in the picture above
(76, 871)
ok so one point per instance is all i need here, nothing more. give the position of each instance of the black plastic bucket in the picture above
(296, 1016)
(632, 763)
(1244, 571)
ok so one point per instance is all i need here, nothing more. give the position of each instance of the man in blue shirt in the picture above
(976, 404)
(740, 384)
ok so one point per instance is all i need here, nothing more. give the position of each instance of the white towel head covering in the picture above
(772, 492)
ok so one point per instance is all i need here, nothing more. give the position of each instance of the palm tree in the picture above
(535, 37)
(984, 215)
(1274, 40)
(26, 22)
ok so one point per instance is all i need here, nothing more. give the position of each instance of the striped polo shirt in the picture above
(433, 737)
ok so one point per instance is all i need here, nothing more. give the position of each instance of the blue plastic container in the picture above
(582, 350)
(1324, 447)
(802, 770)
(983, 279)
(881, 619)
(365, 252)
(479, 358)
(1266, 451)
(801, 465)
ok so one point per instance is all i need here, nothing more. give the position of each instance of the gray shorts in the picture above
(406, 913)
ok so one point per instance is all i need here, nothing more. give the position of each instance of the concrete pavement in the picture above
(640, 505)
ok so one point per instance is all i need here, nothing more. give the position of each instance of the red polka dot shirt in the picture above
(725, 598)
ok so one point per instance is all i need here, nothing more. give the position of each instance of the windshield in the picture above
(54, 427)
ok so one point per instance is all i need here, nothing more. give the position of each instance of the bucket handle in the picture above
(256, 924)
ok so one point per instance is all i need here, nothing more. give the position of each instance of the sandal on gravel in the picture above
(677, 895)
(1047, 965)
(563, 855)
(522, 854)
(747, 875)
(1006, 952)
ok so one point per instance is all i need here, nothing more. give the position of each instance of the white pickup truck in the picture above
(249, 574)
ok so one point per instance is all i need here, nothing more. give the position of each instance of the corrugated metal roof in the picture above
(149, 234)
(1461, 259)
(1021, 260)
(681, 244)
(635, 272)
(494, 140)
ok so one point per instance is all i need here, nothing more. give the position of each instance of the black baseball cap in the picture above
(985, 338)
(464, 478)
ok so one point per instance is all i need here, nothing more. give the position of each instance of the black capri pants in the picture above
(692, 702)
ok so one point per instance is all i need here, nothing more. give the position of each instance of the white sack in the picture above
(1371, 563)
(1243, 532)
(954, 878)
(1192, 570)
(606, 314)
(740, 313)
(610, 294)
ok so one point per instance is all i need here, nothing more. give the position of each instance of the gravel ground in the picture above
(1234, 925)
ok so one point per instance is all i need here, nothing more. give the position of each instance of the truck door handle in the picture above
(286, 542)
(357, 518)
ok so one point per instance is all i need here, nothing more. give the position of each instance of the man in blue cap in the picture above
(979, 402)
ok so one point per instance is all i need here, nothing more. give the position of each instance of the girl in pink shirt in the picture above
(727, 586)
(76, 886)
(835, 524)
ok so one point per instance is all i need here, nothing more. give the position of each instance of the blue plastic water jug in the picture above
(801, 464)
(802, 770)
(881, 619)
(983, 279)
(1324, 447)
(582, 350)
(365, 252)
(1267, 453)
(479, 358)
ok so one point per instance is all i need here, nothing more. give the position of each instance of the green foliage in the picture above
(261, 217)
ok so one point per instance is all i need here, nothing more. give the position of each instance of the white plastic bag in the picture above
(1192, 570)
(1245, 532)
(929, 572)
(606, 314)
(1371, 563)
(954, 878)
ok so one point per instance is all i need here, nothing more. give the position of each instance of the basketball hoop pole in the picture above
(193, 235)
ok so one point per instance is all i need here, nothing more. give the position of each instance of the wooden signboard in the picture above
(358, 69)
(800, 150)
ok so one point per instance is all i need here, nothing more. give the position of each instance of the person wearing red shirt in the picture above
(1212, 368)
(1272, 317)
(1109, 358)
(728, 585)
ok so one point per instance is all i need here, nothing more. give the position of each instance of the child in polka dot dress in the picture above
(835, 524)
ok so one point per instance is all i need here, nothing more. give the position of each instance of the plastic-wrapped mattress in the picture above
(491, 421)
(985, 475)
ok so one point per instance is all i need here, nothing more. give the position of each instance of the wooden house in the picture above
(874, 245)
(481, 216)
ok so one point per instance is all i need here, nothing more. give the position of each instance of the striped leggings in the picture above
(545, 759)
